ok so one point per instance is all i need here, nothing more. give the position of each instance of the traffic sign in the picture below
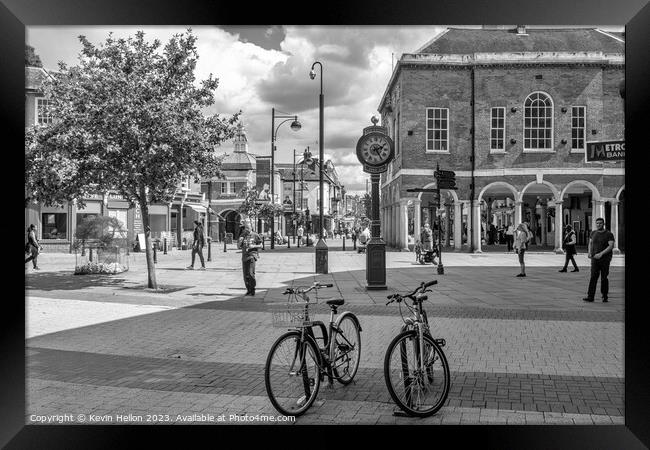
(442, 174)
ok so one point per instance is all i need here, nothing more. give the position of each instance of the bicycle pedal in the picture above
(441, 342)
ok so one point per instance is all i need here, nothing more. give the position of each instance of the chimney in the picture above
(521, 29)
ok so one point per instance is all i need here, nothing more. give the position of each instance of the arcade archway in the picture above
(497, 203)
(538, 210)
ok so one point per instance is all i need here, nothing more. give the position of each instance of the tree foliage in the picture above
(128, 118)
(31, 58)
(102, 229)
(255, 208)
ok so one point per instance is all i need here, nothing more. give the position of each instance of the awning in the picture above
(197, 208)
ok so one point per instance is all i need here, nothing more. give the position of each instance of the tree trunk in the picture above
(151, 268)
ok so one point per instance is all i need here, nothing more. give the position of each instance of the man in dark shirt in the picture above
(249, 242)
(601, 243)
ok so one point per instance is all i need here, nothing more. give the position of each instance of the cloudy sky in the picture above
(261, 67)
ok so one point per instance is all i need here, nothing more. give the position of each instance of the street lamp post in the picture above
(295, 126)
(321, 246)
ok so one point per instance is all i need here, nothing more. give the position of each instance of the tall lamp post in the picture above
(295, 126)
(321, 246)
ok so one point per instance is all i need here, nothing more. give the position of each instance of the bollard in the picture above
(165, 246)
(155, 253)
(299, 239)
(263, 240)
(354, 242)
(224, 246)
(288, 243)
(209, 250)
(343, 243)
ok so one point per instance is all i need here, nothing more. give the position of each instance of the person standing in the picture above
(197, 245)
(521, 238)
(249, 242)
(601, 244)
(426, 238)
(300, 232)
(510, 236)
(569, 246)
(32, 247)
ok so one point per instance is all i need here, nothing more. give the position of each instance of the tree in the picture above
(128, 118)
(257, 209)
(101, 229)
(31, 58)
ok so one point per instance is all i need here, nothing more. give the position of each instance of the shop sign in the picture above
(605, 151)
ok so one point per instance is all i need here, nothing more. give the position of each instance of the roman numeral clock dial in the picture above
(375, 149)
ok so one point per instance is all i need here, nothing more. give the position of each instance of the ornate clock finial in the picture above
(374, 120)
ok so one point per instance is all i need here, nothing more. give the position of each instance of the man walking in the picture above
(569, 246)
(601, 243)
(32, 247)
(249, 242)
(510, 236)
(197, 245)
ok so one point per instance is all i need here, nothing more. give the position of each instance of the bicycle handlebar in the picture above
(421, 287)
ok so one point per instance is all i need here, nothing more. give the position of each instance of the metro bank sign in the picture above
(605, 151)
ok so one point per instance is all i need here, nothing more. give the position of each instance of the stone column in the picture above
(477, 227)
(559, 231)
(393, 225)
(458, 225)
(447, 224)
(417, 219)
(404, 225)
(382, 225)
(597, 210)
(614, 226)
(518, 213)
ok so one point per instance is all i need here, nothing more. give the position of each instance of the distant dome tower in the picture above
(240, 140)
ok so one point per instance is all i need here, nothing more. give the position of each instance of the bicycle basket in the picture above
(290, 315)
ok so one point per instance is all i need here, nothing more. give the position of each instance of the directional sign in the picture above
(447, 184)
(442, 174)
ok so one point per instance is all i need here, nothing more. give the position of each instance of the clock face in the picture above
(374, 149)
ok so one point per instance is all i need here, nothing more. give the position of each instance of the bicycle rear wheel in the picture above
(345, 350)
(292, 374)
(416, 392)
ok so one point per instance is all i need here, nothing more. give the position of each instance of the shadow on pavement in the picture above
(66, 280)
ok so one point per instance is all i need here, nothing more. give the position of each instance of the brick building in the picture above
(510, 111)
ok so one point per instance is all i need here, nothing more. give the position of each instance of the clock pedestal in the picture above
(376, 248)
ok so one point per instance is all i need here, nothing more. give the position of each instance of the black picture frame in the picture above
(634, 14)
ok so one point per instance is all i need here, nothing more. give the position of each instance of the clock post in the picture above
(375, 149)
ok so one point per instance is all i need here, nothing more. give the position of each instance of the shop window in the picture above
(54, 225)
(538, 122)
(119, 214)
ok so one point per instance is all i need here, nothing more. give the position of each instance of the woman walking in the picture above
(521, 244)
(569, 246)
(32, 247)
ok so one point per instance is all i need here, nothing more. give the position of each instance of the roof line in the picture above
(432, 40)
(610, 35)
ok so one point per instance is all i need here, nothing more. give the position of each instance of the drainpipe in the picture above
(473, 160)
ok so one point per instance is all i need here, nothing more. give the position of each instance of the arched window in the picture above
(538, 122)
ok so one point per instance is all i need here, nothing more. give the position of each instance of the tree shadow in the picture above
(67, 280)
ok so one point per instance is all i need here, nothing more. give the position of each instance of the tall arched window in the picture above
(538, 122)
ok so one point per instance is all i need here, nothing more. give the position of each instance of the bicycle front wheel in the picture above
(418, 389)
(292, 374)
(345, 350)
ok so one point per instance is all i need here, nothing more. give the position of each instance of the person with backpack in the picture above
(197, 245)
(32, 247)
(569, 247)
(522, 236)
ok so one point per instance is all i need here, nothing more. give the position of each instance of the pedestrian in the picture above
(249, 242)
(510, 236)
(300, 232)
(354, 237)
(32, 247)
(521, 238)
(569, 247)
(426, 238)
(601, 244)
(197, 245)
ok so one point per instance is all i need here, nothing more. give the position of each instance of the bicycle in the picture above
(296, 364)
(415, 367)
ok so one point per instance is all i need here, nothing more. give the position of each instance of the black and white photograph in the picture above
(277, 225)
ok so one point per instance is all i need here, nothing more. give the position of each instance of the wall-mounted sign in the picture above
(605, 151)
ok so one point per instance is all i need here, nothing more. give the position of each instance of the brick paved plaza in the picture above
(520, 350)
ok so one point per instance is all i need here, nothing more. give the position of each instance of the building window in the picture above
(578, 125)
(437, 129)
(224, 187)
(498, 129)
(54, 225)
(119, 214)
(43, 116)
(305, 203)
(538, 122)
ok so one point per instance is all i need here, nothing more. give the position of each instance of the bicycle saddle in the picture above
(335, 301)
